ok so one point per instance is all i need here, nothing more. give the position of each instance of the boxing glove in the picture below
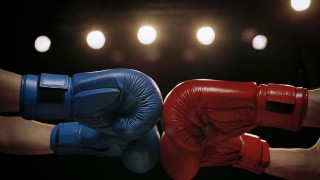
(202, 111)
(139, 155)
(246, 151)
(126, 101)
(180, 164)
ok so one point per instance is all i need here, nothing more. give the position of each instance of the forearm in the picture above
(20, 136)
(294, 163)
(312, 118)
(10, 91)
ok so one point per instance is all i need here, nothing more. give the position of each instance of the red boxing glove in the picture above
(246, 151)
(201, 112)
(178, 163)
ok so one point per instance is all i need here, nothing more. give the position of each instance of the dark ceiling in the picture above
(292, 54)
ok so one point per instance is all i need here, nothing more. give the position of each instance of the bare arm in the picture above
(10, 91)
(296, 163)
(20, 136)
(312, 118)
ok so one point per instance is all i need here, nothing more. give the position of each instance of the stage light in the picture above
(42, 44)
(206, 35)
(146, 35)
(300, 5)
(96, 39)
(259, 42)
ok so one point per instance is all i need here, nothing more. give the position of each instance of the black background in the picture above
(291, 57)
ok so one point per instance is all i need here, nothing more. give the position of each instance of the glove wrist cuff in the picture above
(45, 97)
(64, 138)
(281, 106)
(255, 154)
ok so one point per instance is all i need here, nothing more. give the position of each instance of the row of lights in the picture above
(147, 34)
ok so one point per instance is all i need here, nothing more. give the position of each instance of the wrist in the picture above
(10, 92)
(313, 112)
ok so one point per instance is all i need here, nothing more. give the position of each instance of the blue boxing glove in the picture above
(125, 101)
(139, 155)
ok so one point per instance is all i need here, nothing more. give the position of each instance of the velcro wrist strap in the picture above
(65, 138)
(251, 149)
(281, 93)
(265, 156)
(255, 154)
(52, 88)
